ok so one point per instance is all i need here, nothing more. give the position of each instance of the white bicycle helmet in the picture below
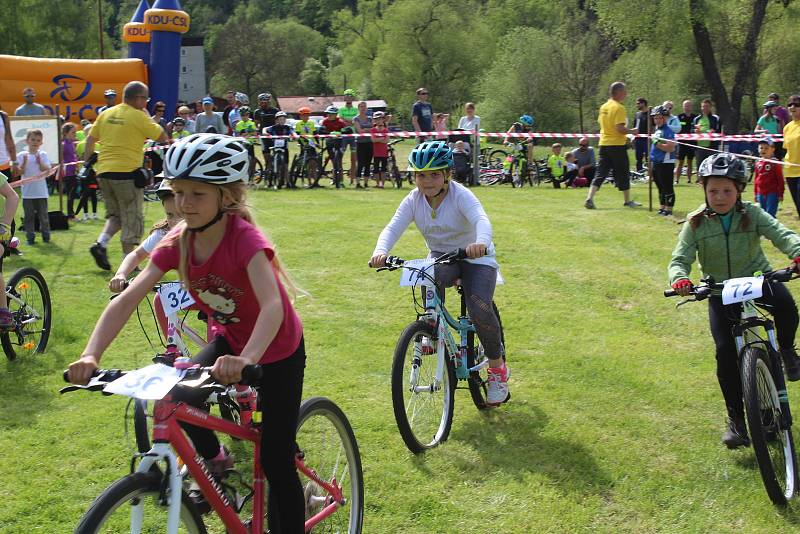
(242, 98)
(211, 158)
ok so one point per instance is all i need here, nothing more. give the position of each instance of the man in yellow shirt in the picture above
(123, 130)
(613, 146)
(791, 144)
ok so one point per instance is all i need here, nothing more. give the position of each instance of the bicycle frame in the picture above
(167, 432)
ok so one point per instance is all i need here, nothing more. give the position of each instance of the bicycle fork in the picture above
(161, 451)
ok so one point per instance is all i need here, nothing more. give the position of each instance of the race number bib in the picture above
(411, 278)
(150, 383)
(742, 289)
(279, 143)
(312, 144)
(174, 297)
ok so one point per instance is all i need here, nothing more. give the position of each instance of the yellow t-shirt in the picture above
(611, 114)
(791, 144)
(122, 130)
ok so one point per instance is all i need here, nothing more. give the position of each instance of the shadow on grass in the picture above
(28, 386)
(512, 441)
(746, 460)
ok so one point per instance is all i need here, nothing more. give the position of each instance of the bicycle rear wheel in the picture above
(771, 437)
(478, 379)
(29, 302)
(328, 446)
(423, 404)
(496, 158)
(111, 512)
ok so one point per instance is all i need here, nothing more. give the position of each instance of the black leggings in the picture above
(794, 188)
(364, 155)
(663, 174)
(87, 194)
(281, 390)
(722, 319)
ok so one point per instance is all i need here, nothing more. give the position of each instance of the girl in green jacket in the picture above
(724, 236)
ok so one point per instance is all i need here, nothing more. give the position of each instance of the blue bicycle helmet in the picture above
(527, 120)
(430, 156)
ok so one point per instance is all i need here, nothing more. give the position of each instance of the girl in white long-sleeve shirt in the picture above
(450, 216)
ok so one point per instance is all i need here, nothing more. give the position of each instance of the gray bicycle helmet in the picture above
(724, 165)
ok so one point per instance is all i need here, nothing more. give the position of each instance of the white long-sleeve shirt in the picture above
(459, 221)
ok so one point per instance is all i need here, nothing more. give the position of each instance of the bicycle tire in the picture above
(394, 172)
(478, 380)
(321, 426)
(294, 171)
(419, 435)
(137, 488)
(21, 339)
(312, 171)
(141, 427)
(257, 177)
(763, 411)
(496, 158)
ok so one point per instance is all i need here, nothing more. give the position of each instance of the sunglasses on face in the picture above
(793, 105)
(423, 93)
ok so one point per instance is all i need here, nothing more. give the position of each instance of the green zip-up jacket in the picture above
(735, 255)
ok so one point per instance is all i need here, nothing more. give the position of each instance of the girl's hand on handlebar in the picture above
(228, 369)
(683, 287)
(795, 266)
(117, 284)
(476, 250)
(81, 371)
(378, 261)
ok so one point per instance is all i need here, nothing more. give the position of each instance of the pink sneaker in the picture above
(497, 385)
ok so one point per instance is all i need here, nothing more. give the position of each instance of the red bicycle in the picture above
(154, 495)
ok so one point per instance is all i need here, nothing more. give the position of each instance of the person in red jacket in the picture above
(768, 178)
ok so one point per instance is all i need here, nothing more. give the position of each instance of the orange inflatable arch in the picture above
(76, 86)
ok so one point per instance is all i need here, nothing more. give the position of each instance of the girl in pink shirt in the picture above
(234, 276)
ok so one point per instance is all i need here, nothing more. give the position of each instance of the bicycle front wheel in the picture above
(328, 447)
(422, 389)
(29, 302)
(137, 497)
(771, 437)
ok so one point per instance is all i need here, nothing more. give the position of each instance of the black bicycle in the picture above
(29, 301)
(306, 164)
(391, 164)
(766, 400)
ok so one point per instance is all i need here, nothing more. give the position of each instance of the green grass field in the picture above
(616, 415)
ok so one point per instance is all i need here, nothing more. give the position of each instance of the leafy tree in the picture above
(313, 80)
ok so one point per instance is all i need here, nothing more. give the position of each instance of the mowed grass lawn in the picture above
(616, 415)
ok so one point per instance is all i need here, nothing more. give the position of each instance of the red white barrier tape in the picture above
(38, 178)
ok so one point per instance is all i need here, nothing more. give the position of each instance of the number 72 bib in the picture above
(742, 289)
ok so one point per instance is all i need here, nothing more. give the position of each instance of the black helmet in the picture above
(659, 110)
(724, 165)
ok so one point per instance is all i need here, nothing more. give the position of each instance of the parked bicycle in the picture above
(306, 164)
(766, 400)
(428, 361)
(154, 495)
(335, 153)
(277, 171)
(29, 302)
(392, 170)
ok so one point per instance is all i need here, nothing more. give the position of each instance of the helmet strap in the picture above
(209, 224)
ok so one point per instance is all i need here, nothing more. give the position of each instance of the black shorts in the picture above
(616, 158)
(379, 164)
(686, 152)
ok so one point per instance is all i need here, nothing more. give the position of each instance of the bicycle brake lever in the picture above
(687, 301)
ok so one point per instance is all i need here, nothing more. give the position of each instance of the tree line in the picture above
(553, 60)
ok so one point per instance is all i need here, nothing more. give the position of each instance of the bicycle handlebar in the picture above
(703, 290)
(394, 262)
(251, 376)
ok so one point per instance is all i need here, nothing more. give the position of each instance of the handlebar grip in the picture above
(251, 375)
(65, 375)
(670, 293)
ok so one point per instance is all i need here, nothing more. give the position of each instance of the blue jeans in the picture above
(768, 203)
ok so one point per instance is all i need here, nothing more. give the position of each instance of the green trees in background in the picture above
(553, 60)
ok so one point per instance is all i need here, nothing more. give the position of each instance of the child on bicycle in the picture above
(724, 236)
(449, 216)
(232, 272)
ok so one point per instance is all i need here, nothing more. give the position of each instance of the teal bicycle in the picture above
(429, 363)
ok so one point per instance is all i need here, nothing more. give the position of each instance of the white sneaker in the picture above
(497, 386)
(94, 216)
